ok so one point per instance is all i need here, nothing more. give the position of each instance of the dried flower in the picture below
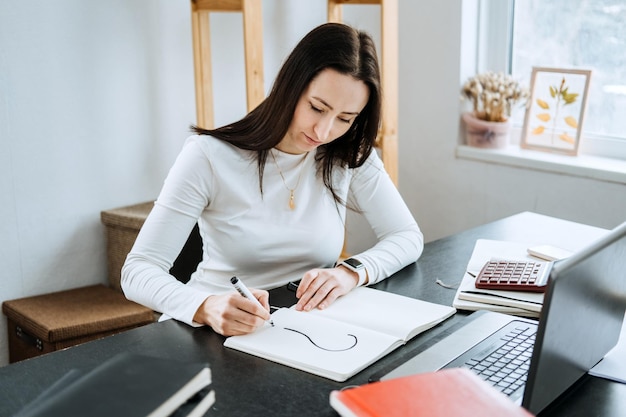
(493, 95)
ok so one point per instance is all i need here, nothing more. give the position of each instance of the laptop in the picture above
(580, 322)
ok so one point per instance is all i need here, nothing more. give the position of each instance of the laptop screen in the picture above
(580, 320)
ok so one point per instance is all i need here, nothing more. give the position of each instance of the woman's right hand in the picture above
(231, 314)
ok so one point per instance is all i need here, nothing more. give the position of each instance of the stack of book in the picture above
(519, 303)
(129, 385)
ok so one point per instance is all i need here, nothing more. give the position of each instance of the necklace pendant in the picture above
(292, 197)
(292, 202)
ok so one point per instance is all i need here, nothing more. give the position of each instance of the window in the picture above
(586, 34)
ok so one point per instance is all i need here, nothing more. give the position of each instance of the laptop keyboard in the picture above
(504, 362)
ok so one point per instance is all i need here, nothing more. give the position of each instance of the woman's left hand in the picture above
(321, 287)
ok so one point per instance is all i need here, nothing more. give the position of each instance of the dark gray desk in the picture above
(249, 386)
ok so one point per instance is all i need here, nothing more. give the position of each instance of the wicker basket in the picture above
(50, 322)
(122, 226)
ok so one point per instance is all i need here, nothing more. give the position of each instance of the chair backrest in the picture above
(189, 257)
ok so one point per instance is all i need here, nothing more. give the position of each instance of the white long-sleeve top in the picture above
(258, 237)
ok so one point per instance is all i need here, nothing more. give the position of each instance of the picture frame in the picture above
(555, 110)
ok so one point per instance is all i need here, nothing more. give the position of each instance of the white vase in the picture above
(483, 134)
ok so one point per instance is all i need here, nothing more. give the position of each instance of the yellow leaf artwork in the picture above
(555, 110)
(571, 121)
(567, 138)
(561, 98)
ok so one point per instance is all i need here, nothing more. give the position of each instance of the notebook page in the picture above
(397, 315)
(315, 344)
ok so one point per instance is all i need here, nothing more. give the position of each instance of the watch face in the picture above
(353, 263)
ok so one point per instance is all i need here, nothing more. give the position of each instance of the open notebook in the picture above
(354, 332)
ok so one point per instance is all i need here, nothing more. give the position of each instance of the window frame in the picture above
(494, 40)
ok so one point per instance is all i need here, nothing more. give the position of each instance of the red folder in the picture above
(455, 392)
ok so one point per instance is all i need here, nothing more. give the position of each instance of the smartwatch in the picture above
(356, 266)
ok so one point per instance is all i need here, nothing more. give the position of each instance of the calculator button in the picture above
(514, 275)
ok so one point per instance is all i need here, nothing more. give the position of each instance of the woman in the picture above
(270, 193)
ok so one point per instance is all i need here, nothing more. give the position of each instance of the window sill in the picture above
(593, 167)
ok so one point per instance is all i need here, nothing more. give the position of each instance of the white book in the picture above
(471, 298)
(354, 332)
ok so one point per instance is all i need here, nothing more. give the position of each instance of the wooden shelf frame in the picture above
(387, 140)
(252, 12)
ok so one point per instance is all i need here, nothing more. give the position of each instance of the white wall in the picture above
(96, 99)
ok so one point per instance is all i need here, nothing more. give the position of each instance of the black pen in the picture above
(243, 290)
(293, 285)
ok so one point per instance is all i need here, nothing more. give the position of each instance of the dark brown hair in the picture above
(331, 45)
